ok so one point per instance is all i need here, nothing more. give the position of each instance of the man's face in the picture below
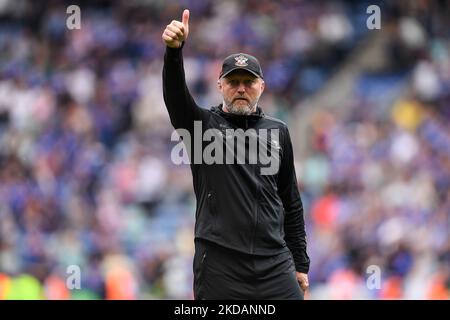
(241, 91)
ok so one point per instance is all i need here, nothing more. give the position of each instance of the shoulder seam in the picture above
(275, 120)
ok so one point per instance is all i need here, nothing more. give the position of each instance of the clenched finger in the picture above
(177, 24)
(176, 30)
(171, 34)
(166, 37)
(304, 285)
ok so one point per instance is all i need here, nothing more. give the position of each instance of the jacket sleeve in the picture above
(294, 224)
(183, 110)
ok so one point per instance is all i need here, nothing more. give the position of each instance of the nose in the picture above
(241, 88)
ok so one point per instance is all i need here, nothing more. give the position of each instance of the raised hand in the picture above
(176, 32)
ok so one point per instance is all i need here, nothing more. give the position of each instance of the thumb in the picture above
(185, 20)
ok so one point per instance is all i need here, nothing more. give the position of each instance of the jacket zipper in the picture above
(257, 201)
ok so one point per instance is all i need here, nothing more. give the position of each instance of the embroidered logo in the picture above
(241, 61)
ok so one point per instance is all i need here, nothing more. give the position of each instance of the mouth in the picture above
(240, 99)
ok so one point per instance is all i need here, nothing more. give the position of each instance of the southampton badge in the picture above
(241, 61)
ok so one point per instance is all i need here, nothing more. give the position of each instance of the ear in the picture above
(219, 85)
(263, 85)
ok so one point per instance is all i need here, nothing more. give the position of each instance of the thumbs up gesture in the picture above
(176, 32)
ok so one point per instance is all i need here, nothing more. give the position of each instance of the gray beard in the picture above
(239, 110)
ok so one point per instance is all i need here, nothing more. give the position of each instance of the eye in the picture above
(233, 83)
(249, 83)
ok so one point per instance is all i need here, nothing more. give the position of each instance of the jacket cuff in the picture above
(174, 52)
(302, 268)
(301, 265)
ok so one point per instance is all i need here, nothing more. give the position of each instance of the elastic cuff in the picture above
(174, 51)
(301, 265)
(302, 269)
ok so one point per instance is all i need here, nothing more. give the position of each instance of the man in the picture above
(250, 240)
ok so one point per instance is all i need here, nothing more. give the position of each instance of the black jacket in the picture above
(237, 206)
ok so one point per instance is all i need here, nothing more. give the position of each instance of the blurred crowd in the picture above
(93, 208)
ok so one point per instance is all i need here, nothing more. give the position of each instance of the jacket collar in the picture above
(255, 116)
